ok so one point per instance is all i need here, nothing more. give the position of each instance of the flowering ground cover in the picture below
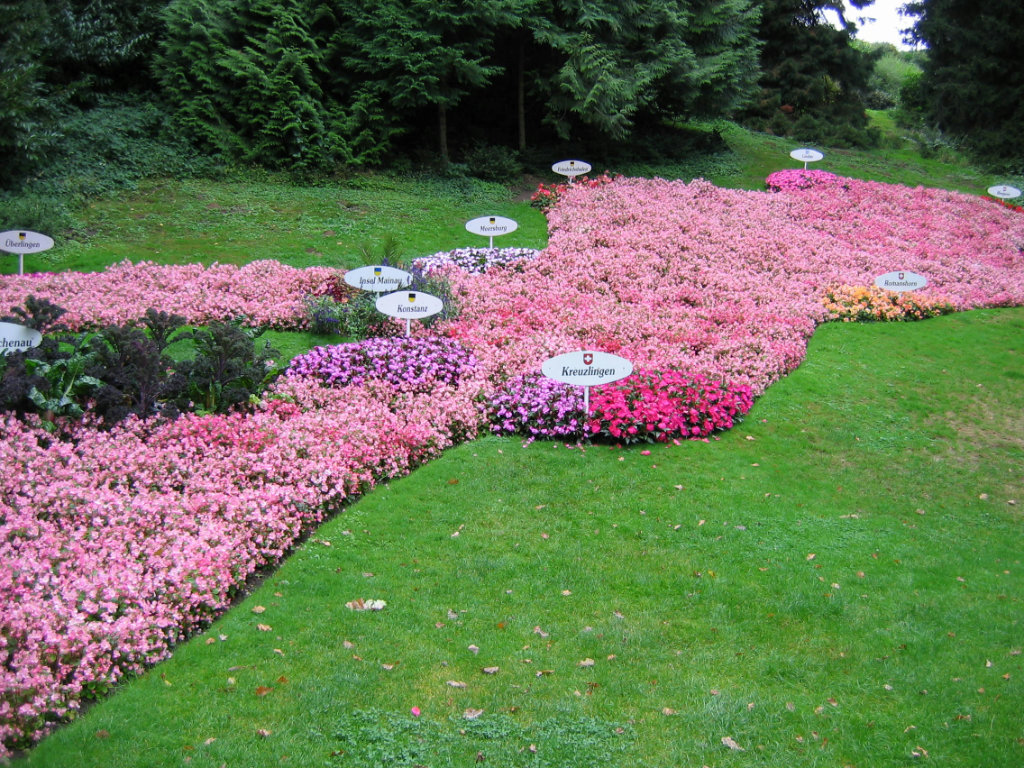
(117, 544)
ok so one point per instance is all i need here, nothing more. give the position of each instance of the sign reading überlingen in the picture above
(586, 369)
(806, 155)
(18, 338)
(901, 281)
(21, 241)
(409, 305)
(1004, 191)
(378, 279)
(571, 168)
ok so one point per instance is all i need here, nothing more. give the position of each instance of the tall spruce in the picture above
(814, 82)
(973, 81)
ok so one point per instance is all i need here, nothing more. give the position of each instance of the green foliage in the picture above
(493, 163)
(814, 82)
(973, 84)
(227, 371)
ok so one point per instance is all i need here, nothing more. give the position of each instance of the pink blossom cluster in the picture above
(793, 179)
(659, 406)
(264, 293)
(116, 544)
(722, 283)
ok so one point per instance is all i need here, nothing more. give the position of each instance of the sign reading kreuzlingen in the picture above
(586, 369)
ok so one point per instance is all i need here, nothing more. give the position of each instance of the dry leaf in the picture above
(258, 609)
(566, 593)
(263, 690)
(491, 670)
(262, 733)
(474, 650)
(360, 604)
(472, 714)
(667, 711)
(264, 627)
(586, 663)
(731, 744)
(456, 684)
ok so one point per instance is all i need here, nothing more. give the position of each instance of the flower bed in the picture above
(474, 260)
(265, 294)
(862, 303)
(117, 544)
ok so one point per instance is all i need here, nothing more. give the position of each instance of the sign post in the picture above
(22, 242)
(408, 305)
(586, 369)
(378, 279)
(492, 226)
(806, 155)
(571, 168)
(901, 281)
(1004, 191)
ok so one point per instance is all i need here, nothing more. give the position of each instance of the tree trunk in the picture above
(521, 98)
(442, 133)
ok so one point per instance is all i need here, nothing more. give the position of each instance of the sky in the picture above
(882, 22)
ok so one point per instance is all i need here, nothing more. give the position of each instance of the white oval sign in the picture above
(492, 226)
(378, 279)
(586, 369)
(571, 167)
(1004, 191)
(901, 281)
(23, 241)
(806, 155)
(18, 338)
(409, 305)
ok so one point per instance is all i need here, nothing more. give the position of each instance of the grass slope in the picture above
(836, 582)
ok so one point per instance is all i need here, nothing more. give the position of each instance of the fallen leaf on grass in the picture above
(359, 604)
(491, 670)
(455, 684)
(263, 690)
(472, 714)
(262, 733)
(258, 609)
(731, 744)
(264, 627)
(586, 663)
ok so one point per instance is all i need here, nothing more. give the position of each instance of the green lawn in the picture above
(838, 581)
(835, 582)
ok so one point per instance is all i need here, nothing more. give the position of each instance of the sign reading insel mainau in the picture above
(378, 279)
(18, 338)
(409, 305)
(901, 281)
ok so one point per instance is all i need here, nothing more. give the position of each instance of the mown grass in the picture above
(838, 581)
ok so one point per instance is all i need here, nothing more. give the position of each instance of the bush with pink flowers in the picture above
(659, 406)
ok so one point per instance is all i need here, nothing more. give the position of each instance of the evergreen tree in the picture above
(813, 82)
(26, 106)
(973, 83)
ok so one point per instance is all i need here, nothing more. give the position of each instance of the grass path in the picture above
(838, 581)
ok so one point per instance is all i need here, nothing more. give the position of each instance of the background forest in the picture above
(96, 93)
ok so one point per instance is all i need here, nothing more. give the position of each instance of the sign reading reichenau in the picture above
(378, 279)
(18, 338)
(901, 281)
